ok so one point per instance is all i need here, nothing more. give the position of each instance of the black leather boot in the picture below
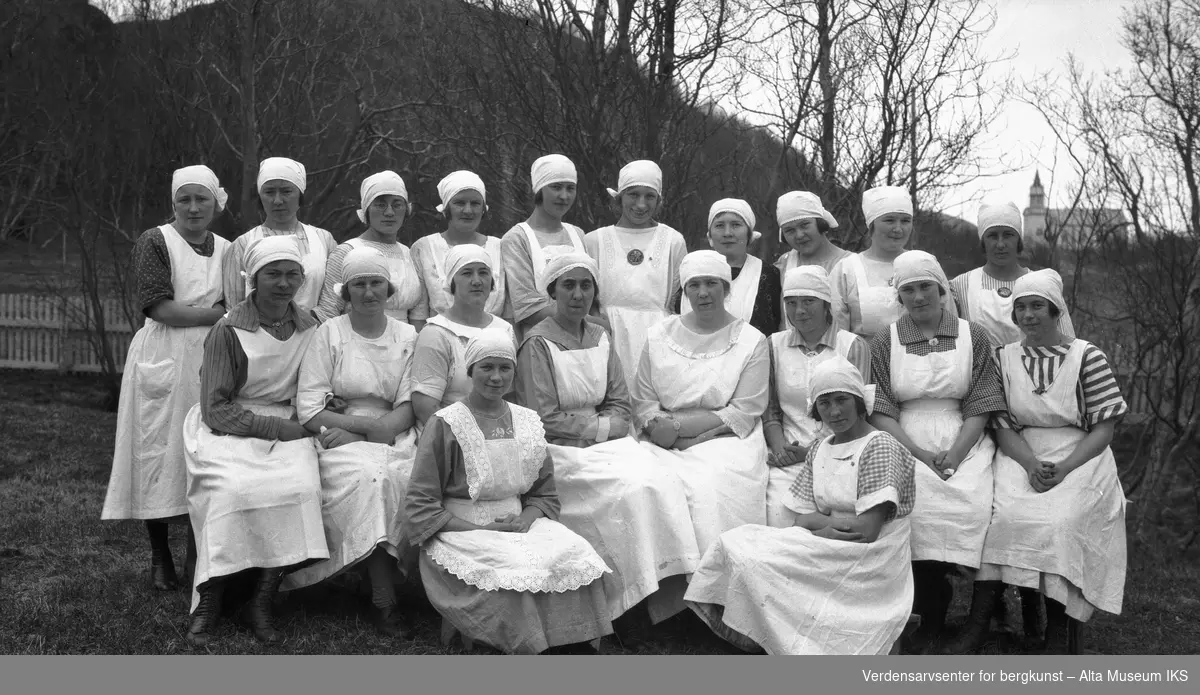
(162, 567)
(979, 621)
(207, 615)
(1062, 631)
(257, 612)
(931, 599)
(1031, 620)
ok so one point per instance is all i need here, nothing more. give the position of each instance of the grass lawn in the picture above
(73, 584)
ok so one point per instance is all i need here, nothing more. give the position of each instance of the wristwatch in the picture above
(675, 424)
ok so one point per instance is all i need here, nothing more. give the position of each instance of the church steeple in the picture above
(1037, 195)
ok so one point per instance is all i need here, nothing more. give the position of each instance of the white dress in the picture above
(634, 296)
(254, 502)
(951, 516)
(792, 592)
(1068, 542)
(614, 494)
(429, 254)
(161, 383)
(363, 484)
(793, 369)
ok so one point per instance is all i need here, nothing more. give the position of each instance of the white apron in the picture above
(540, 255)
(725, 478)
(313, 256)
(433, 272)
(254, 502)
(950, 517)
(742, 291)
(1069, 542)
(458, 384)
(878, 306)
(792, 592)
(404, 277)
(363, 484)
(161, 383)
(633, 297)
(793, 369)
(631, 510)
(991, 311)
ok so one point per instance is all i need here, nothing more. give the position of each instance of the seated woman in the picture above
(795, 353)
(632, 511)
(754, 293)
(938, 386)
(354, 396)
(838, 582)
(384, 207)
(482, 505)
(699, 395)
(439, 375)
(1058, 524)
(254, 490)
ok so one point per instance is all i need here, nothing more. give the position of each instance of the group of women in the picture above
(555, 427)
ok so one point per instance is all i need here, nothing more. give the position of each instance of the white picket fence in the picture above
(50, 333)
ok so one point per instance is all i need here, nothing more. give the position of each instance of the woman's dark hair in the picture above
(860, 406)
(345, 293)
(595, 297)
(1055, 312)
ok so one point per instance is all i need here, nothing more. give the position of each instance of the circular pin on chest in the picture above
(1004, 292)
(933, 342)
(635, 257)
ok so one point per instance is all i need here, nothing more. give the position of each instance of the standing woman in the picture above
(837, 581)
(463, 206)
(254, 490)
(178, 271)
(754, 295)
(439, 373)
(281, 186)
(384, 207)
(638, 261)
(355, 397)
(984, 295)
(804, 224)
(482, 504)
(1059, 520)
(937, 388)
(812, 340)
(528, 246)
(699, 396)
(632, 511)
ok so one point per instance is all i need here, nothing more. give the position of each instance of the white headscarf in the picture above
(915, 266)
(268, 250)
(797, 205)
(1001, 214)
(838, 375)
(738, 207)
(456, 182)
(489, 344)
(283, 169)
(808, 281)
(881, 200)
(553, 168)
(461, 255)
(708, 264)
(641, 172)
(375, 185)
(363, 262)
(1045, 283)
(559, 265)
(200, 175)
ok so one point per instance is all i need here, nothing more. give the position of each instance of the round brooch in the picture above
(933, 342)
(635, 257)
(1004, 292)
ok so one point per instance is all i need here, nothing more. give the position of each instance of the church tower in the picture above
(1035, 214)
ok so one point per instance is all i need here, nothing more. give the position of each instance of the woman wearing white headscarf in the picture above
(354, 395)
(281, 186)
(984, 295)
(804, 224)
(701, 389)
(383, 207)
(177, 267)
(1058, 524)
(632, 511)
(638, 260)
(529, 245)
(754, 293)
(464, 202)
(811, 340)
(254, 490)
(439, 373)
(482, 504)
(937, 388)
(838, 580)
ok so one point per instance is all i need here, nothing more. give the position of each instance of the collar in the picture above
(828, 338)
(909, 334)
(245, 316)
